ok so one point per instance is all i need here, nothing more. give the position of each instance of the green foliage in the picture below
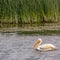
(29, 11)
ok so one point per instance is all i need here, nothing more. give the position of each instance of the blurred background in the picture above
(29, 15)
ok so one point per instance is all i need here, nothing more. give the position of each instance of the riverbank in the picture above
(47, 29)
(42, 32)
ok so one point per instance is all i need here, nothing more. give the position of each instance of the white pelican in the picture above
(44, 47)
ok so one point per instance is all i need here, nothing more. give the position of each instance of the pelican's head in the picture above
(38, 42)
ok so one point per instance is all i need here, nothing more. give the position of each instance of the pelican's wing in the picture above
(46, 47)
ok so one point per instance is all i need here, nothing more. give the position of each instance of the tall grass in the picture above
(29, 11)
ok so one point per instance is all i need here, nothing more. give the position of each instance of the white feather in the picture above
(45, 47)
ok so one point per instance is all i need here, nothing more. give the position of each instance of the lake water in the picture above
(19, 47)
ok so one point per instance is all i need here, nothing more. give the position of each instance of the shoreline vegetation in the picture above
(29, 11)
(47, 29)
(40, 32)
(30, 16)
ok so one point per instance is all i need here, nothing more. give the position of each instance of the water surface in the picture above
(19, 47)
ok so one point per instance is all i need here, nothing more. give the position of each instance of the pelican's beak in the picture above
(36, 44)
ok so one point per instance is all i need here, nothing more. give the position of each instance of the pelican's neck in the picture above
(37, 43)
(40, 41)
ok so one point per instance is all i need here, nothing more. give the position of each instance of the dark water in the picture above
(17, 47)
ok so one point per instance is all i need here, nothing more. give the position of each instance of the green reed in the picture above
(29, 11)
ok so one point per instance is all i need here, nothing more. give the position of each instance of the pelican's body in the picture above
(44, 47)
